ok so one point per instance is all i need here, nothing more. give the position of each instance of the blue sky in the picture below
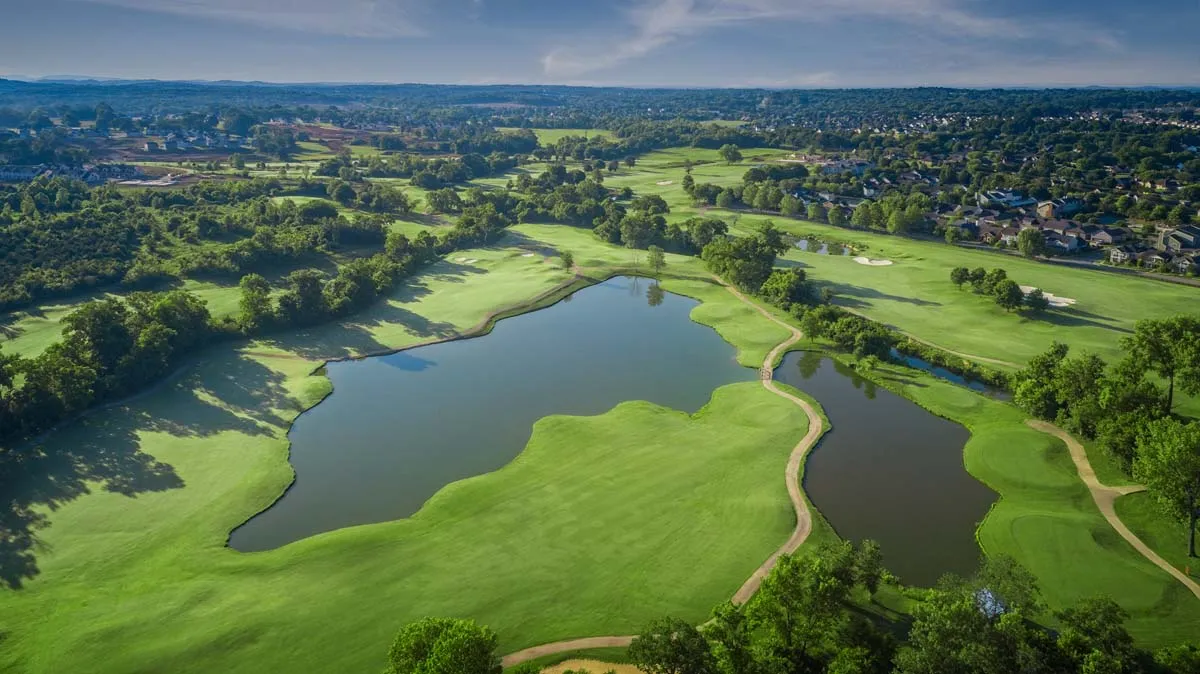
(767, 43)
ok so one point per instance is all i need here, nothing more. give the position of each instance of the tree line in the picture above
(1006, 292)
(1128, 408)
(816, 614)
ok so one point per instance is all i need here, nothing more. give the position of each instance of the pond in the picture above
(952, 377)
(891, 471)
(822, 248)
(398, 428)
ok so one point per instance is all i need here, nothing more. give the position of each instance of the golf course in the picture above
(551, 436)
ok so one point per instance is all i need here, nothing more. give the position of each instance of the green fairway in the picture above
(551, 136)
(613, 521)
(1168, 537)
(1046, 518)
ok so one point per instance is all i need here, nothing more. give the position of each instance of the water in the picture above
(954, 378)
(824, 249)
(891, 471)
(398, 428)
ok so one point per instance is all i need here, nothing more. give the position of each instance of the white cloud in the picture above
(350, 18)
(658, 23)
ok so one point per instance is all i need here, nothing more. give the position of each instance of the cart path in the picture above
(1105, 498)
(816, 427)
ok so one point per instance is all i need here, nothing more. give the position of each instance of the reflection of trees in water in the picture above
(654, 295)
(635, 286)
(810, 363)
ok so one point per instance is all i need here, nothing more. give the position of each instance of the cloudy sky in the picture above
(762, 43)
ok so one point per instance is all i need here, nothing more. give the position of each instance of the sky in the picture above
(678, 43)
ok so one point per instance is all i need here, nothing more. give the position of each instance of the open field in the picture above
(552, 136)
(150, 583)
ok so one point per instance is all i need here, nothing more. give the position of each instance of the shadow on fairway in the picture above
(1072, 317)
(103, 450)
(856, 297)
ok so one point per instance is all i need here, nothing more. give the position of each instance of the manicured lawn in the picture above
(1045, 517)
(552, 136)
(602, 524)
(1168, 537)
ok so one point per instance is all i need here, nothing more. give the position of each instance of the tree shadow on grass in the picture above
(855, 297)
(1072, 317)
(102, 451)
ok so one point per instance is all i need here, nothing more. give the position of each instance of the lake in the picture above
(398, 428)
(891, 471)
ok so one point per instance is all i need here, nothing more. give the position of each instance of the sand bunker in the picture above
(873, 263)
(665, 182)
(460, 259)
(1055, 300)
(592, 666)
(527, 255)
(472, 261)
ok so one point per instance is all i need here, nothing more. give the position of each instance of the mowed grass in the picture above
(1046, 518)
(1167, 536)
(551, 136)
(601, 524)
(29, 332)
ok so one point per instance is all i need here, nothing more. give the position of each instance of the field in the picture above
(142, 563)
(552, 136)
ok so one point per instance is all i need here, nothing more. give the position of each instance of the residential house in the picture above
(1122, 254)
(1152, 259)
(1105, 236)
(1184, 263)
(20, 173)
(150, 146)
(1185, 238)
(1063, 243)
(1056, 209)
(1003, 199)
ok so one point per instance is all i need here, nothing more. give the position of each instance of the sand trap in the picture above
(592, 666)
(472, 261)
(1055, 300)
(460, 259)
(528, 255)
(665, 182)
(873, 263)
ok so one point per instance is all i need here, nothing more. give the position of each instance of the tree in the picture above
(445, 200)
(1008, 295)
(1093, 638)
(816, 212)
(785, 287)
(959, 276)
(444, 646)
(861, 217)
(630, 161)
(671, 646)
(837, 217)
(656, 259)
(1169, 347)
(724, 198)
(567, 258)
(992, 279)
(812, 325)
(1031, 242)
(730, 153)
(789, 206)
(689, 184)
(1036, 301)
(1168, 463)
(868, 565)
(731, 635)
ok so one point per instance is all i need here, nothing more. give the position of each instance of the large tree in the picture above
(1168, 463)
(731, 153)
(444, 646)
(1169, 347)
(671, 646)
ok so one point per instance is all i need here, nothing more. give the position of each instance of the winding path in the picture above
(816, 427)
(1105, 498)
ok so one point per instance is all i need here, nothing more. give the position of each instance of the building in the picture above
(1003, 199)
(150, 146)
(1185, 238)
(1057, 209)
